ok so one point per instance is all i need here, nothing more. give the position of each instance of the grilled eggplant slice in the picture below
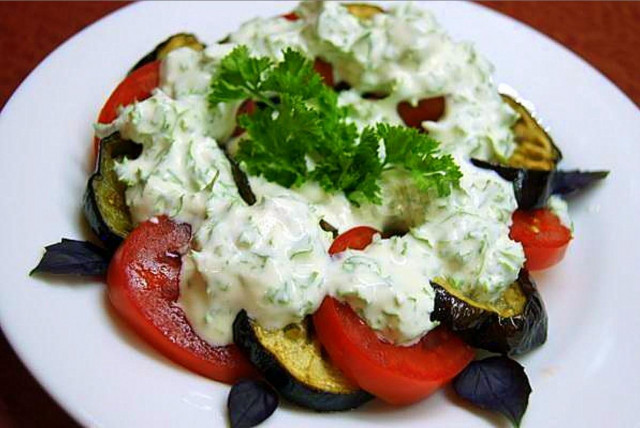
(535, 148)
(532, 167)
(532, 187)
(104, 202)
(292, 360)
(176, 41)
(515, 324)
(363, 11)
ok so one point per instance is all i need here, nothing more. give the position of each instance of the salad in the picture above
(338, 201)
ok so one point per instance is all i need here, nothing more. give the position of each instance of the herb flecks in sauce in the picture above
(271, 258)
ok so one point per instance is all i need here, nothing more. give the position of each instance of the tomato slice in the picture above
(357, 238)
(143, 286)
(544, 238)
(325, 70)
(247, 107)
(430, 109)
(397, 374)
(137, 86)
(291, 16)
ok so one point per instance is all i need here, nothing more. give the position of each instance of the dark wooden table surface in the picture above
(606, 34)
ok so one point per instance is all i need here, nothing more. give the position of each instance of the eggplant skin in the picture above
(532, 167)
(531, 187)
(104, 203)
(291, 388)
(242, 181)
(483, 328)
(174, 42)
(92, 214)
(535, 148)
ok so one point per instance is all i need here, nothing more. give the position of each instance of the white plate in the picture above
(64, 331)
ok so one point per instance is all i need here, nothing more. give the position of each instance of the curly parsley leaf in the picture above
(352, 164)
(299, 133)
(418, 154)
(278, 145)
(294, 76)
(239, 75)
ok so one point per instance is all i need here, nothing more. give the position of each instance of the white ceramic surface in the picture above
(64, 331)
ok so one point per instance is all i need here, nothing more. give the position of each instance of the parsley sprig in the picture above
(299, 133)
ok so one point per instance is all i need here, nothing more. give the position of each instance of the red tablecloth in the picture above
(605, 34)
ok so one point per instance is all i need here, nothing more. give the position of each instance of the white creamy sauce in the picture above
(271, 258)
(388, 285)
(560, 208)
(406, 53)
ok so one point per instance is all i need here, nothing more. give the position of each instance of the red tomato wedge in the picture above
(397, 374)
(325, 70)
(247, 107)
(430, 109)
(544, 238)
(291, 16)
(143, 286)
(357, 238)
(137, 86)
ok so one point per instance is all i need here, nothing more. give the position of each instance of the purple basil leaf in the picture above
(495, 383)
(567, 182)
(250, 402)
(70, 257)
